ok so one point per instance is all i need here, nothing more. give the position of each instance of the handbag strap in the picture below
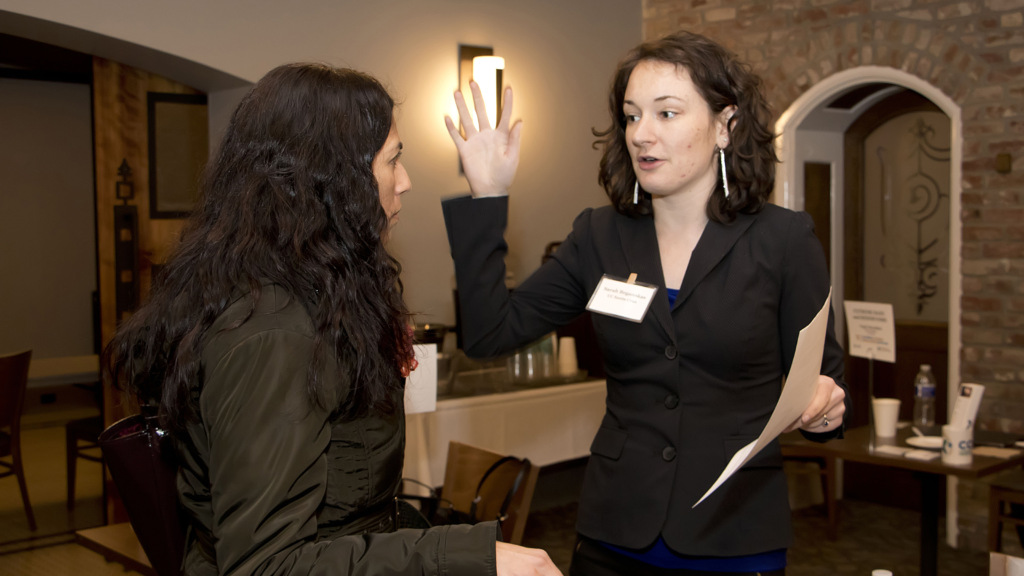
(503, 513)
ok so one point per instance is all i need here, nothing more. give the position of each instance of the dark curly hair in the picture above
(723, 81)
(290, 198)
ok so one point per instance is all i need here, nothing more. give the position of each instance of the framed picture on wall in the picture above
(178, 151)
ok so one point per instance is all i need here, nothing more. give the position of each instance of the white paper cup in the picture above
(887, 412)
(567, 364)
(957, 445)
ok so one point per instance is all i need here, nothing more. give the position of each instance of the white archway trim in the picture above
(786, 128)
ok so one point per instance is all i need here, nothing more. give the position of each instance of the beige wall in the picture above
(559, 58)
(47, 238)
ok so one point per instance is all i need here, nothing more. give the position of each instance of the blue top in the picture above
(661, 556)
(672, 296)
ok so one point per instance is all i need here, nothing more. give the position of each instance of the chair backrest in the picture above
(13, 380)
(467, 465)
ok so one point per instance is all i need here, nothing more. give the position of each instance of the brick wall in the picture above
(972, 51)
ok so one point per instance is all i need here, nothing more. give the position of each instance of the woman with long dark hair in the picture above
(688, 166)
(275, 342)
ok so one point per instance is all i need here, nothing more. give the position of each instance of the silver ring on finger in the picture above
(824, 421)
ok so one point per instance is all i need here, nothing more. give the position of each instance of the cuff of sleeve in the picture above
(461, 212)
(836, 434)
(469, 550)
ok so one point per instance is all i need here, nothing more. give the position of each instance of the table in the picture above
(63, 371)
(546, 425)
(855, 449)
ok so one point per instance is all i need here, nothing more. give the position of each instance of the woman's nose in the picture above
(402, 182)
(641, 133)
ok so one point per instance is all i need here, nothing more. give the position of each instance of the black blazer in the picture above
(687, 387)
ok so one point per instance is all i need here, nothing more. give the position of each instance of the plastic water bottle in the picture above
(924, 397)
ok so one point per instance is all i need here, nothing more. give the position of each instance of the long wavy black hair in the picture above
(290, 198)
(723, 81)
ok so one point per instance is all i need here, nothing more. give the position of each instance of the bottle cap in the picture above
(926, 366)
(881, 573)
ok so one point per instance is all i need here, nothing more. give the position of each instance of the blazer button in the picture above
(669, 454)
(670, 352)
(671, 401)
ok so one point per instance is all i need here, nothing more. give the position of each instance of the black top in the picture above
(273, 486)
(688, 386)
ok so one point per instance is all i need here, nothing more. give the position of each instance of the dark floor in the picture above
(870, 537)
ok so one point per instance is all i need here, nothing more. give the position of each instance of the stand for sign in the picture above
(871, 403)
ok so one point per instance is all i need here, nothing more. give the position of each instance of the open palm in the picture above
(489, 156)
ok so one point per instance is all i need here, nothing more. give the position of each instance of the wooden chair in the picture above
(466, 465)
(85, 430)
(827, 471)
(117, 543)
(13, 381)
(1005, 488)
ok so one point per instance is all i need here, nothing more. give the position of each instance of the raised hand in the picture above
(490, 156)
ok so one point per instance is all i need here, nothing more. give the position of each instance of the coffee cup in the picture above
(887, 412)
(957, 445)
(567, 364)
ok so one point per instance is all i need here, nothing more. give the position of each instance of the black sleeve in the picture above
(805, 285)
(495, 322)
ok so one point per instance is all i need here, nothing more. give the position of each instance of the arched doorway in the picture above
(791, 187)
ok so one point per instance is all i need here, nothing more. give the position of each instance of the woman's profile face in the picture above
(671, 132)
(392, 179)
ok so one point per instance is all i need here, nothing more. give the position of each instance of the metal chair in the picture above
(13, 381)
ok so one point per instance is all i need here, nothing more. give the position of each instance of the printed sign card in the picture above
(871, 329)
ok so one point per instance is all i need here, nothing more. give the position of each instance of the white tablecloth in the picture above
(546, 425)
(63, 371)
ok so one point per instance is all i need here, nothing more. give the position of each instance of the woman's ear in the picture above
(724, 117)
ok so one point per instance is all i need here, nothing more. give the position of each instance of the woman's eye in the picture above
(668, 114)
(630, 118)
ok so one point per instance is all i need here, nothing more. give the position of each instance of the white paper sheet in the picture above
(796, 393)
(421, 385)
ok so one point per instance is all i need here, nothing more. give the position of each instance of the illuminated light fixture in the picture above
(487, 73)
(479, 63)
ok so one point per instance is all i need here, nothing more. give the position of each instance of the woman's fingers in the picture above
(819, 403)
(464, 118)
(506, 111)
(481, 108)
(453, 132)
(514, 138)
(828, 400)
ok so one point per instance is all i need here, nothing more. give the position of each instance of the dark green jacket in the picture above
(274, 486)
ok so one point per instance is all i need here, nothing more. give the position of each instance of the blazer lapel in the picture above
(640, 245)
(715, 242)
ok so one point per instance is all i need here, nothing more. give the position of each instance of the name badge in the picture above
(628, 299)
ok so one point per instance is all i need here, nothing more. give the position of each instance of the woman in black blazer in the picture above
(699, 376)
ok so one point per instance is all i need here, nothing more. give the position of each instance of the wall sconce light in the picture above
(487, 73)
(480, 64)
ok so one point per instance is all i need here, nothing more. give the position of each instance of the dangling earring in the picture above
(725, 181)
(636, 191)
